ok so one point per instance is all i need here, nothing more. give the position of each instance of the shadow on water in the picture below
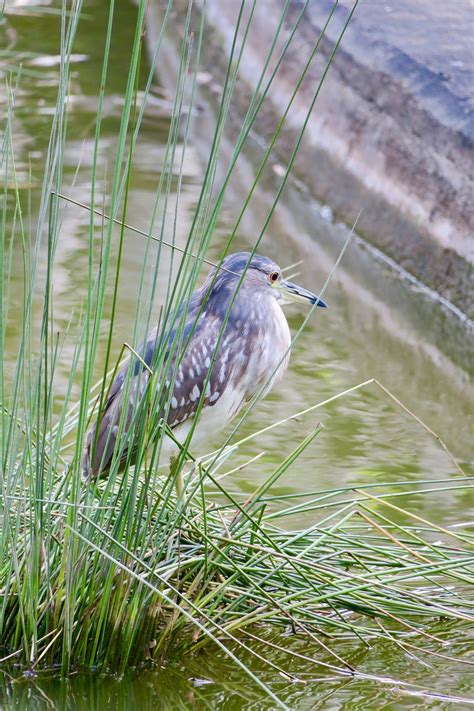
(377, 326)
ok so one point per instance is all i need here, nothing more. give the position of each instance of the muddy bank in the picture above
(392, 131)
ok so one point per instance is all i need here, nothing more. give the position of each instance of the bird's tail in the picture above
(87, 472)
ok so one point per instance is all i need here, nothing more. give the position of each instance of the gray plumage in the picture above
(252, 354)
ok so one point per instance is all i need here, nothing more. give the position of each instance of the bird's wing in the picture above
(189, 373)
(186, 378)
(102, 437)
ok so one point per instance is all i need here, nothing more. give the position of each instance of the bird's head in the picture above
(262, 276)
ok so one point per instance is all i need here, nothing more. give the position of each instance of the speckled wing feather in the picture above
(187, 374)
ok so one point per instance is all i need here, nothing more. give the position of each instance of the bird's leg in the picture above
(178, 478)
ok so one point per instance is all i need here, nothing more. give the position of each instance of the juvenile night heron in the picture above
(252, 353)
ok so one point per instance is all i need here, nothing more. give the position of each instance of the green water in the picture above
(378, 326)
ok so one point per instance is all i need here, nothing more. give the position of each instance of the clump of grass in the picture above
(164, 575)
(126, 570)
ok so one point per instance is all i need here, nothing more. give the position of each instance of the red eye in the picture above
(273, 277)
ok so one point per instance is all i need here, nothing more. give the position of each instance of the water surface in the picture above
(378, 326)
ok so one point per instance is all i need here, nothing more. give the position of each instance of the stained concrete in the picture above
(392, 132)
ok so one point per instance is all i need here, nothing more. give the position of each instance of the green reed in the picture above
(123, 571)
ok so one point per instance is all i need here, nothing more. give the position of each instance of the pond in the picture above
(379, 325)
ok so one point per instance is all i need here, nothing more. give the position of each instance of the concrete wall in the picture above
(392, 132)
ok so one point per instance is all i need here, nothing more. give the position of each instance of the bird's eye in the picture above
(273, 277)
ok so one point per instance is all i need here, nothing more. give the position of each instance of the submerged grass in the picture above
(116, 573)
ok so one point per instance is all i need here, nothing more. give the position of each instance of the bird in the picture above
(234, 345)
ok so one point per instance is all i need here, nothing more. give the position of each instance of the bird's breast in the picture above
(266, 353)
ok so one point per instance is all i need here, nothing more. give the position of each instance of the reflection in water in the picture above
(376, 327)
(207, 680)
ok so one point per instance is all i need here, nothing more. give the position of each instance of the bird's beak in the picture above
(292, 292)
